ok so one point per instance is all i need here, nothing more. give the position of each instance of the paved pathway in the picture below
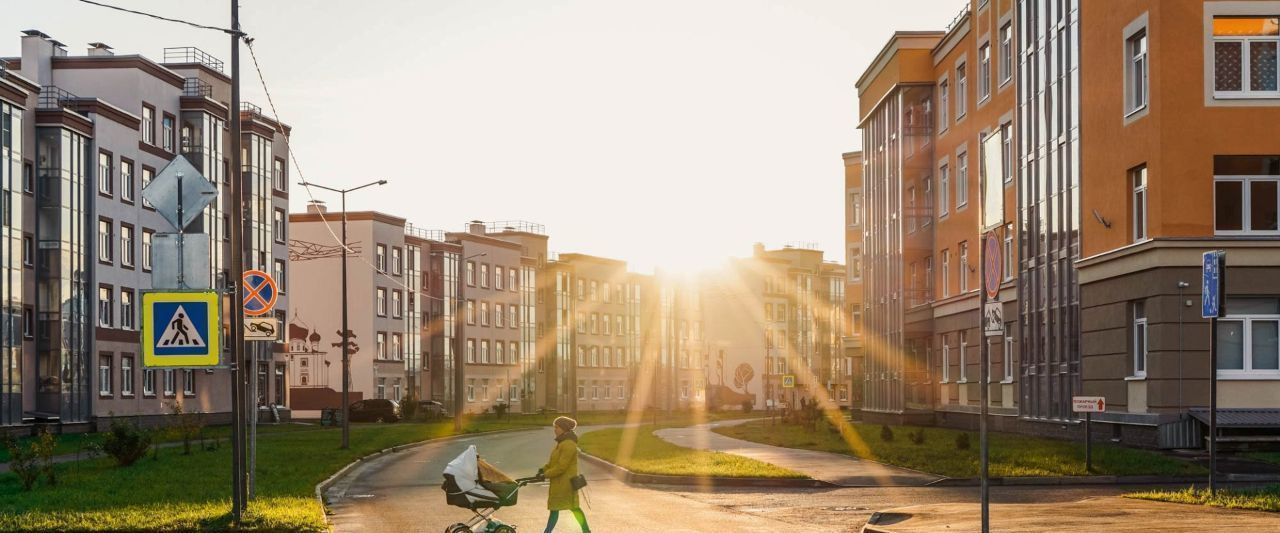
(1111, 514)
(837, 469)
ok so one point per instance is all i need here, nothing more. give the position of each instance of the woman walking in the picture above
(560, 470)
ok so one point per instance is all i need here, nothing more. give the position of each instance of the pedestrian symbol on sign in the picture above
(181, 331)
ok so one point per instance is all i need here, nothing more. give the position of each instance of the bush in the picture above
(500, 409)
(23, 462)
(916, 437)
(408, 407)
(886, 434)
(43, 447)
(126, 442)
(748, 406)
(962, 441)
(189, 426)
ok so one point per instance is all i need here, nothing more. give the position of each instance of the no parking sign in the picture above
(260, 293)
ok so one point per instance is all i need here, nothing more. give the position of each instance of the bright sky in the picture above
(667, 133)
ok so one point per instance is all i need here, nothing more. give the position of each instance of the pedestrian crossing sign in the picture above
(181, 329)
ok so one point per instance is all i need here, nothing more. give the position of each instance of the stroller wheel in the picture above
(457, 528)
(504, 529)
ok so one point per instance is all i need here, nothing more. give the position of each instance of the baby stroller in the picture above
(472, 483)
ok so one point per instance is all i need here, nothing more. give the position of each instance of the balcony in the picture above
(246, 107)
(197, 87)
(53, 97)
(191, 54)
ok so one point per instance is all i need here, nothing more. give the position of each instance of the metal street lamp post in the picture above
(346, 331)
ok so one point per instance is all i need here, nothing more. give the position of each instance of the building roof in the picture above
(1241, 418)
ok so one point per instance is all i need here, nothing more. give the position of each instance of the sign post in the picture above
(260, 294)
(1088, 405)
(991, 220)
(1213, 279)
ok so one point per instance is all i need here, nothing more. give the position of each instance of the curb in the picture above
(1103, 480)
(633, 478)
(324, 486)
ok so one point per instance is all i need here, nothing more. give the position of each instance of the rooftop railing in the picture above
(54, 97)
(246, 107)
(959, 16)
(191, 54)
(423, 233)
(524, 226)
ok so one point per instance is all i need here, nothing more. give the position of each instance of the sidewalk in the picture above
(1109, 513)
(836, 469)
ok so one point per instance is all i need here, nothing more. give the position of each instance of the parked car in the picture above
(431, 409)
(375, 410)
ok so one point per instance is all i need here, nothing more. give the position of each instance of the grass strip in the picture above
(1010, 455)
(652, 455)
(1263, 499)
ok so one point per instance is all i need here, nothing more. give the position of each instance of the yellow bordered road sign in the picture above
(181, 329)
(789, 381)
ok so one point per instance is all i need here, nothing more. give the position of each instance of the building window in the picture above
(147, 175)
(166, 132)
(512, 317)
(499, 352)
(397, 347)
(471, 351)
(962, 92)
(148, 382)
(278, 225)
(984, 72)
(944, 102)
(1247, 338)
(126, 180)
(1006, 152)
(471, 273)
(1136, 71)
(397, 261)
(278, 177)
(1006, 53)
(946, 358)
(1139, 339)
(498, 315)
(28, 178)
(1244, 55)
(595, 356)
(946, 273)
(126, 375)
(1138, 177)
(471, 312)
(105, 178)
(397, 304)
(944, 190)
(105, 241)
(189, 383)
(148, 124)
(962, 180)
(28, 323)
(964, 267)
(471, 389)
(105, 372)
(126, 309)
(278, 272)
(1008, 252)
(511, 279)
(484, 275)
(484, 352)
(582, 389)
(380, 258)
(1245, 194)
(855, 209)
(126, 245)
(497, 278)
(382, 389)
(964, 345)
(1007, 363)
(105, 306)
(280, 384)
(381, 344)
(484, 313)
(28, 251)
(170, 387)
(382, 301)
(146, 249)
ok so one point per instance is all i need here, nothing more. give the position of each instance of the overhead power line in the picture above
(166, 19)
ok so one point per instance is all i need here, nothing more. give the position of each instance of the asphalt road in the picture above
(401, 492)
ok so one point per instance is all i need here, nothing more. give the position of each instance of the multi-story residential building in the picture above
(606, 331)
(776, 313)
(84, 135)
(851, 373)
(384, 273)
(1088, 276)
(929, 103)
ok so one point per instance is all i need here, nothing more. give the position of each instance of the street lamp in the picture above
(346, 332)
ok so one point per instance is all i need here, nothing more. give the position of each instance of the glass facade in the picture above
(202, 145)
(1049, 206)
(443, 368)
(63, 332)
(528, 288)
(12, 226)
(413, 318)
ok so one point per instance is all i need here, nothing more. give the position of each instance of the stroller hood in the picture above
(465, 470)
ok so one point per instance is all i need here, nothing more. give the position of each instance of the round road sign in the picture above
(991, 256)
(259, 293)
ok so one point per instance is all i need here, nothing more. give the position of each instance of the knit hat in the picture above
(565, 423)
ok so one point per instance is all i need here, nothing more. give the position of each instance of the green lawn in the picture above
(179, 492)
(79, 442)
(1010, 455)
(652, 455)
(1264, 499)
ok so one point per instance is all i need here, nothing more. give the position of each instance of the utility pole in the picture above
(238, 499)
(346, 337)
